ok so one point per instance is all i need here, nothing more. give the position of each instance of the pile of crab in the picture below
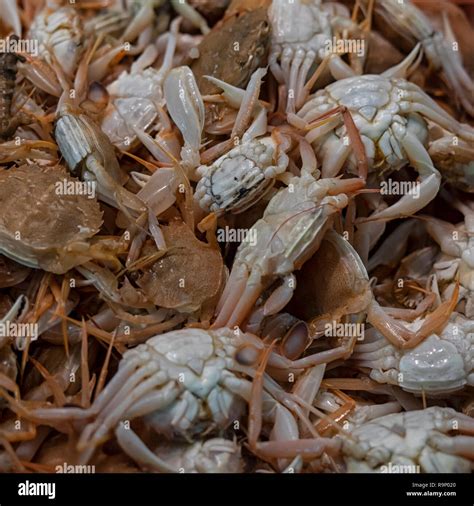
(236, 236)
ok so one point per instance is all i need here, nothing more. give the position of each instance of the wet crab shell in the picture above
(404, 442)
(441, 364)
(60, 32)
(200, 362)
(218, 57)
(39, 226)
(237, 178)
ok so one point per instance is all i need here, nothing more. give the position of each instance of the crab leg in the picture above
(306, 448)
(331, 165)
(399, 335)
(255, 408)
(430, 180)
(249, 295)
(135, 448)
(233, 290)
(186, 108)
(248, 101)
(340, 414)
(455, 445)
(280, 296)
(94, 433)
(10, 15)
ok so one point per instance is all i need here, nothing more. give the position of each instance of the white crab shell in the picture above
(408, 442)
(299, 24)
(379, 109)
(240, 177)
(198, 362)
(61, 32)
(440, 364)
(135, 98)
(216, 455)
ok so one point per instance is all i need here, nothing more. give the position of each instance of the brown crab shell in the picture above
(187, 276)
(233, 50)
(11, 273)
(331, 285)
(41, 228)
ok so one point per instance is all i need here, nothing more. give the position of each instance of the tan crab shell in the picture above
(40, 227)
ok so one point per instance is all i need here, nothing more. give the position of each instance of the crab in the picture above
(433, 440)
(53, 233)
(289, 233)
(188, 382)
(442, 363)
(301, 34)
(86, 148)
(392, 116)
(412, 26)
(242, 176)
(137, 97)
(59, 32)
(457, 255)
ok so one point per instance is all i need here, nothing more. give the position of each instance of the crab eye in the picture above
(247, 355)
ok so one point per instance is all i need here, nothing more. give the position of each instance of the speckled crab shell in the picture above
(41, 227)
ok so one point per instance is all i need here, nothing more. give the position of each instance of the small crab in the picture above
(59, 32)
(433, 440)
(289, 233)
(441, 364)
(136, 96)
(392, 116)
(457, 254)
(188, 382)
(302, 31)
(41, 228)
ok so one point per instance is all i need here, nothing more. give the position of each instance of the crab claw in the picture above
(454, 157)
(424, 191)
